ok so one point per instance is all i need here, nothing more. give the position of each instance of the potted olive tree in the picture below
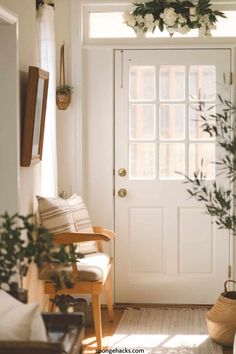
(21, 243)
(219, 201)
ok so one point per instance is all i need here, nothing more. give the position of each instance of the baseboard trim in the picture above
(145, 305)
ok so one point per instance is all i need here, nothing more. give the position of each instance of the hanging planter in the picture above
(63, 95)
(174, 16)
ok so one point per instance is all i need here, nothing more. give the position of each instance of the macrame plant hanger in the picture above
(64, 91)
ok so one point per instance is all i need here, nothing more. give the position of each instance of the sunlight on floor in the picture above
(149, 341)
(138, 340)
(91, 343)
(184, 340)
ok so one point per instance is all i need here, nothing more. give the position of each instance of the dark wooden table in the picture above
(65, 333)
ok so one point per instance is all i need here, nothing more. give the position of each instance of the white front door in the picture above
(167, 250)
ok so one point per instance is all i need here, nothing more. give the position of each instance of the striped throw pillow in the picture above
(82, 223)
(55, 214)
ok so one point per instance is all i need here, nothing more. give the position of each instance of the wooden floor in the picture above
(108, 330)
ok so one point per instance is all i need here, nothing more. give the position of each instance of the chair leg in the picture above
(51, 304)
(97, 319)
(108, 298)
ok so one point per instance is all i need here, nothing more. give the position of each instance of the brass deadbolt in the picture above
(122, 192)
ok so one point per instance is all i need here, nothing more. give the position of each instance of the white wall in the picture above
(9, 141)
(98, 117)
(95, 92)
(30, 176)
(69, 122)
(65, 150)
(26, 12)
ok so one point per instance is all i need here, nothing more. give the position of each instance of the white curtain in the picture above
(47, 61)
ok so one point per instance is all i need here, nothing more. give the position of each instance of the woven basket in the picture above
(221, 319)
(63, 101)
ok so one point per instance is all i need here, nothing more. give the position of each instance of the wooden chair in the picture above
(89, 286)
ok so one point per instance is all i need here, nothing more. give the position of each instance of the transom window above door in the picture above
(107, 22)
(165, 135)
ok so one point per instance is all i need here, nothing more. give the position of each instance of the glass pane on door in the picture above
(202, 83)
(172, 82)
(142, 83)
(142, 122)
(172, 121)
(196, 122)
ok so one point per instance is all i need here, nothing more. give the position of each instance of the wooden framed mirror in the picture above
(32, 132)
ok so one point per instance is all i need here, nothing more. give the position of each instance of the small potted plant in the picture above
(21, 243)
(64, 96)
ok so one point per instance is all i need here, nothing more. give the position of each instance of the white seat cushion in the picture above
(90, 268)
(93, 263)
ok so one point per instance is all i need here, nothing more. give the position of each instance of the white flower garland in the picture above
(173, 15)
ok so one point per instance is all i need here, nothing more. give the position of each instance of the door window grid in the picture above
(202, 88)
(180, 144)
(171, 148)
(142, 123)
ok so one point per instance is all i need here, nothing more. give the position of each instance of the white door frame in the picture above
(78, 107)
(7, 16)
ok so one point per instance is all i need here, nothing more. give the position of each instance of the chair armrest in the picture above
(68, 238)
(101, 230)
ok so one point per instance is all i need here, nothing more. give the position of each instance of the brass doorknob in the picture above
(122, 192)
(122, 172)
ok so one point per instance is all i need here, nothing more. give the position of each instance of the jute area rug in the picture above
(164, 331)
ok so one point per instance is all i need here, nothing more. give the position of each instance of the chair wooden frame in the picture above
(86, 287)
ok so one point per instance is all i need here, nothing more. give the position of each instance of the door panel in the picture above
(193, 238)
(167, 250)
